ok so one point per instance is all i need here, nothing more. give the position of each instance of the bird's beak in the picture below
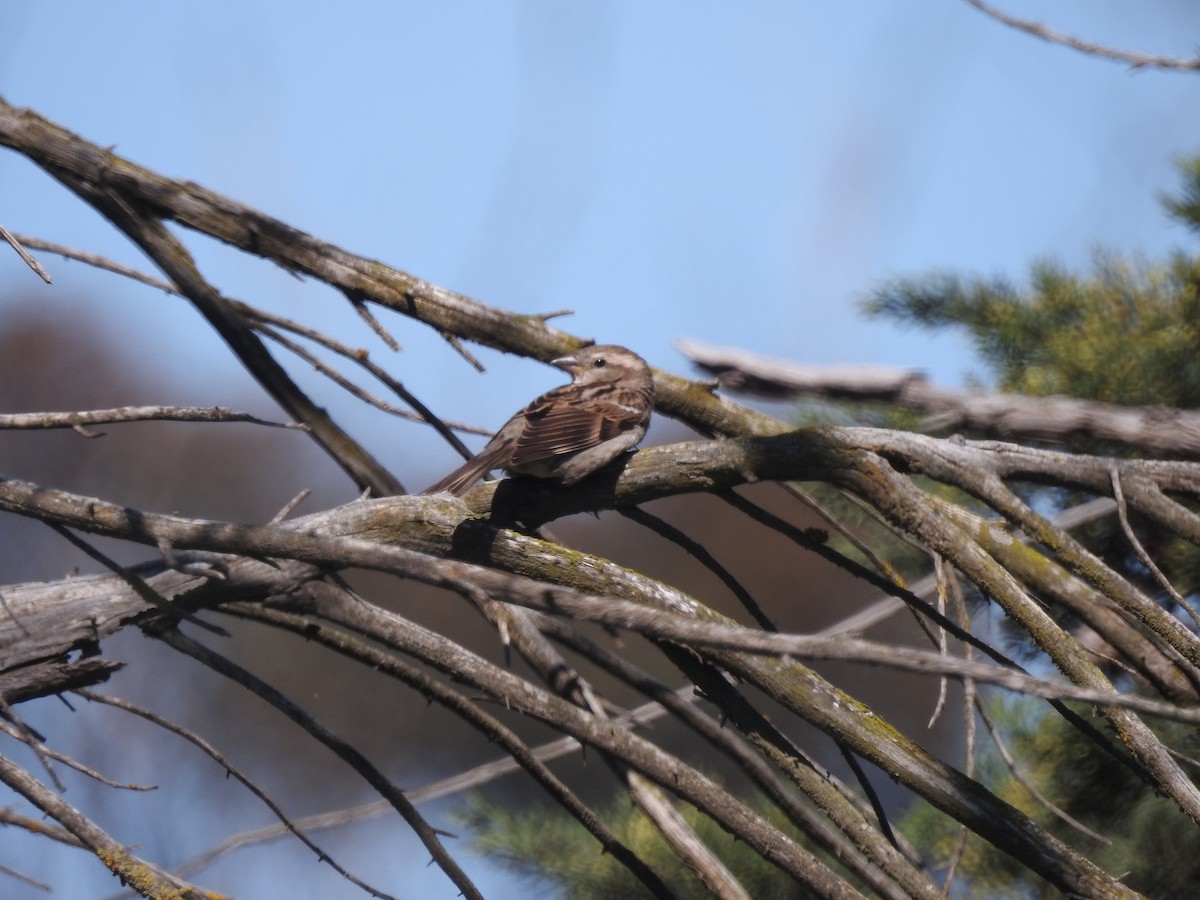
(566, 363)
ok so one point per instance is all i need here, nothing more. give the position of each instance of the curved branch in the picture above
(352, 757)
(1037, 29)
(144, 877)
(232, 771)
(263, 321)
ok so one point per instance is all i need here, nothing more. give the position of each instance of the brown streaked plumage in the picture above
(573, 430)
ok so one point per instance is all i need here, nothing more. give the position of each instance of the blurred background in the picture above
(740, 175)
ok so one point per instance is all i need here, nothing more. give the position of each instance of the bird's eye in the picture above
(600, 363)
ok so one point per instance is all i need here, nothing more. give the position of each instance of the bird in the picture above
(571, 431)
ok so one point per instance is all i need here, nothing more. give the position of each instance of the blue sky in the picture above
(735, 173)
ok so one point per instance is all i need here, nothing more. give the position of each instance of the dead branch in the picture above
(219, 758)
(147, 879)
(13, 241)
(1037, 29)
(1155, 430)
(134, 414)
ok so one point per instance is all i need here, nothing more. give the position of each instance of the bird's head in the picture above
(602, 363)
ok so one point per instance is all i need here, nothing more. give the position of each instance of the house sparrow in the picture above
(573, 430)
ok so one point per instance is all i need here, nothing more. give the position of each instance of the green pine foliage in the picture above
(1125, 332)
(1186, 206)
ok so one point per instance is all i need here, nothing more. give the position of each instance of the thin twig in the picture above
(456, 342)
(76, 764)
(1146, 559)
(423, 414)
(1037, 29)
(286, 509)
(860, 775)
(135, 414)
(99, 262)
(455, 784)
(469, 711)
(834, 521)
(359, 302)
(258, 317)
(963, 616)
(34, 741)
(362, 358)
(1020, 778)
(136, 582)
(814, 540)
(700, 553)
(26, 879)
(939, 574)
(15, 243)
(426, 833)
(217, 757)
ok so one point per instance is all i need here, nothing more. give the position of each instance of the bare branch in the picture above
(217, 757)
(135, 414)
(428, 835)
(520, 756)
(280, 573)
(144, 877)
(99, 262)
(260, 319)
(13, 241)
(175, 261)
(24, 737)
(1002, 749)
(1146, 559)
(518, 628)
(1156, 430)
(858, 845)
(1037, 29)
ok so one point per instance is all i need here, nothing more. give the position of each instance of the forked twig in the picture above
(219, 758)
(1146, 559)
(15, 243)
(425, 832)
